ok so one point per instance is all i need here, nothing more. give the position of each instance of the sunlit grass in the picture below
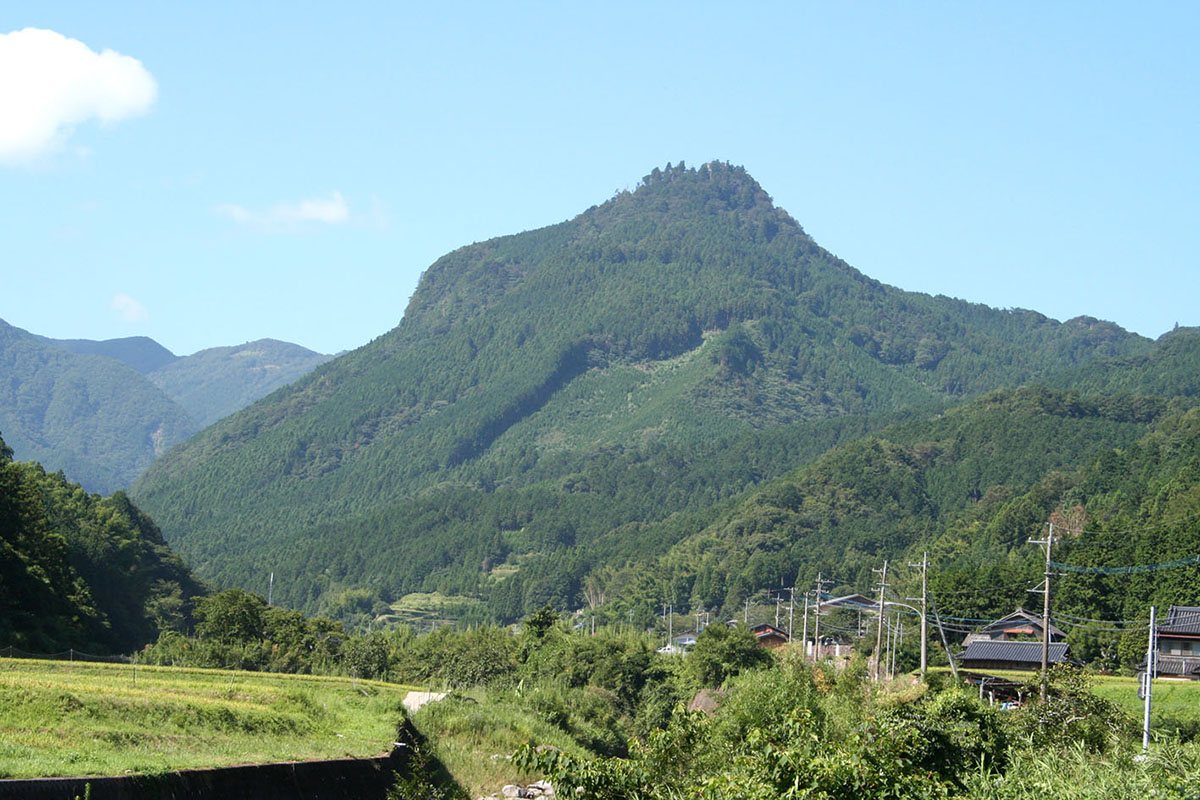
(1174, 704)
(474, 736)
(58, 718)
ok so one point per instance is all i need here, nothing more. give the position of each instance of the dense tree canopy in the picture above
(563, 395)
(80, 570)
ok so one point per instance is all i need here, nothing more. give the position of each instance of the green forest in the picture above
(82, 571)
(593, 394)
(102, 411)
(580, 439)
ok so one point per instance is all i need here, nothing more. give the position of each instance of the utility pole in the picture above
(887, 651)
(898, 642)
(924, 565)
(1151, 658)
(804, 635)
(821, 582)
(791, 609)
(945, 644)
(1049, 542)
(883, 584)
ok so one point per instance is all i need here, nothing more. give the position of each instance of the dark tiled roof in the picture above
(764, 630)
(1017, 652)
(1022, 616)
(1177, 665)
(849, 601)
(1182, 620)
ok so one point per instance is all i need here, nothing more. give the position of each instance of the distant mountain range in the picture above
(593, 394)
(101, 411)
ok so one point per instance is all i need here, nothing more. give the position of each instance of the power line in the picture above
(1135, 531)
(1132, 570)
(986, 589)
(1091, 619)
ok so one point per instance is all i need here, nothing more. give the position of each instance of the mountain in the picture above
(140, 352)
(208, 384)
(213, 383)
(91, 416)
(650, 358)
(83, 571)
(101, 411)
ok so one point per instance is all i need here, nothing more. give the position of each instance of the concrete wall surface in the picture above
(335, 779)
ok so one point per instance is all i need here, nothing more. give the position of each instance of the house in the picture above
(768, 635)
(999, 654)
(1178, 651)
(855, 601)
(1017, 626)
(679, 644)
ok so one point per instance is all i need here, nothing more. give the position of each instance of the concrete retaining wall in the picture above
(299, 780)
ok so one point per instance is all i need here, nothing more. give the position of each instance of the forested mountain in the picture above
(101, 411)
(213, 383)
(79, 570)
(140, 352)
(91, 416)
(600, 383)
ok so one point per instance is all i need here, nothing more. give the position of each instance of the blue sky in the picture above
(289, 170)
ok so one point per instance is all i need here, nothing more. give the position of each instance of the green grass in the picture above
(1175, 704)
(473, 736)
(62, 719)
(422, 611)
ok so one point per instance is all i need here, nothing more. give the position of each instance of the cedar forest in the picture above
(676, 397)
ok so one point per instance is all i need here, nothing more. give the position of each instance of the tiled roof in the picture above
(1181, 619)
(849, 601)
(1022, 652)
(1176, 665)
(1016, 619)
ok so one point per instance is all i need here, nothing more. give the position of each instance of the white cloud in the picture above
(128, 309)
(49, 84)
(331, 210)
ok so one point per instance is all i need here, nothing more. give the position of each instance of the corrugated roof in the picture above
(1024, 652)
(1183, 620)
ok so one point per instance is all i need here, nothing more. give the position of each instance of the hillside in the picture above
(652, 335)
(140, 352)
(91, 416)
(101, 411)
(79, 570)
(214, 383)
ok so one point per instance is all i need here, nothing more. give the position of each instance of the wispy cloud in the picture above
(128, 309)
(288, 217)
(50, 83)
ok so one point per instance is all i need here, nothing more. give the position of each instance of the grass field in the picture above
(62, 719)
(1175, 704)
(473, 735)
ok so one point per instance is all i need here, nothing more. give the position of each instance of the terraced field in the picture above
(64, 719)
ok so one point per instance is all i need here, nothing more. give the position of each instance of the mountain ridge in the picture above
(102, 411)
(689, 309)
